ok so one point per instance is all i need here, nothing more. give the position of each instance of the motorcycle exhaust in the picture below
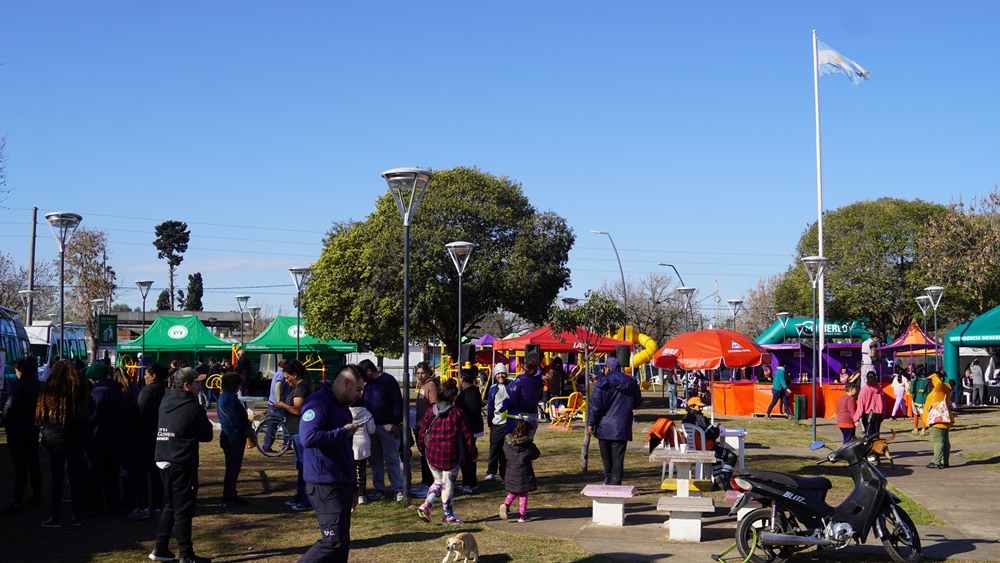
(788, 539)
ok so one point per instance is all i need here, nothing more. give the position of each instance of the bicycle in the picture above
(272, 429)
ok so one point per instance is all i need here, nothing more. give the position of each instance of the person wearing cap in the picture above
(612, 402)
(182, 424)
(497, 464)
(108, 423)
(696, 417)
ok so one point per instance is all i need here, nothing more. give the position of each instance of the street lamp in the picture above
(253, 319)
(783, 319)
(934, 294)
(624, 289)
(924, 303)
(26, 295)
(679, 278)
(814, 267)
(144, 286)
(569, 302)
(687, 292)
(97, 305)
(407, 186)
(241, 300)
(460, 252)
(299, 277)
(734, 306)
(63, 225)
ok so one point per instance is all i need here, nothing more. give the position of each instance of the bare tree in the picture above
(88, 277)
(654, 306)
(758, 313)
(502, 323)
(4, 190)
(14, 278)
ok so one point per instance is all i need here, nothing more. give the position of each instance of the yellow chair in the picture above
(573, 405)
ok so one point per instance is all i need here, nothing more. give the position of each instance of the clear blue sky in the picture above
(684, 129)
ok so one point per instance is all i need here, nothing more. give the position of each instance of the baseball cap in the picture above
(187, 375)
(696, 402)
(612, 364)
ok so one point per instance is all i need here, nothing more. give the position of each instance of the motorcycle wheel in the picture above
(902, 541)
(760, 520)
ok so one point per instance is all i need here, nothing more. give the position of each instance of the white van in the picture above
(43, 337)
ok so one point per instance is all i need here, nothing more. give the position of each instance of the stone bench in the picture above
(694, 486)
(609, 503)
(685, 516)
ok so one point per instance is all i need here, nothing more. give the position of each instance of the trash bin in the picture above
(801, 407)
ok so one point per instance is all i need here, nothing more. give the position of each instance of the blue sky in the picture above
(685, 129)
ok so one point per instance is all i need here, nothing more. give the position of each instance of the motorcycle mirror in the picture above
(817, 445)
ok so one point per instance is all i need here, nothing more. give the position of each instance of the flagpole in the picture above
(819, 212)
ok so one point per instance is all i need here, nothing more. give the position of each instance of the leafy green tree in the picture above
(873, 273)
(599, 315)
(163, 301)
(171, 242)
(196, 290)
(355, 289)
(122, 308)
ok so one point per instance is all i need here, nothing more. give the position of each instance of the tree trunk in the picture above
(173, 305)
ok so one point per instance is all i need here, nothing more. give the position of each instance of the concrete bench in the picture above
(685, 516)
(609, 503)
(695, 486)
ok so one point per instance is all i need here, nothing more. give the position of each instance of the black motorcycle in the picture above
(795, 516)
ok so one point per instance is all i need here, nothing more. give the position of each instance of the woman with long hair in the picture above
(871, 406)
(62, 411)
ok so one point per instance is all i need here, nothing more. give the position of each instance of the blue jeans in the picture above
(672, 395)
(385, 459)
(782, 396)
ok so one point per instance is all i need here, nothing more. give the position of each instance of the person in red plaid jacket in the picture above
(446, 440)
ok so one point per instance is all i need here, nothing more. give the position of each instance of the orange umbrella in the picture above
(710, 349)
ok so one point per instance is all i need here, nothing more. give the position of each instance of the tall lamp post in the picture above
(26, 295)
(924, 303)
(298, 277)
(734, 306)
(143, 286)
(783, 319)
(460, 252)
(241, 300)
(814, 267)
(97, 306)
(63, 225)
(934, 292)
(687, 292)
(253, 310)
(622, 272)
(407, 186)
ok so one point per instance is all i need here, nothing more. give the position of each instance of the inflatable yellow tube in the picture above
(648, 345)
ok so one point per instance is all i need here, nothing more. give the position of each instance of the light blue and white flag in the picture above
(831, 61)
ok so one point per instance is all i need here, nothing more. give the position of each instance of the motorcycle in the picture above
(795, 516)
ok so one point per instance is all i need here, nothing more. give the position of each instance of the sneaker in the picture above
(399, 496)
(293, 501)
(465, 489)
(424, 512)
(162, 555)
(503, 511)
(195, 559)
(915, 432)
(51, 522)
(77, 520)
(452, 519)
(375, 496)
(301, 507)
(362, 500)
(489, 477)
(524, 518)
(139, 514)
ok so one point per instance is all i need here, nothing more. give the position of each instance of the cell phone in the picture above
(364, 420)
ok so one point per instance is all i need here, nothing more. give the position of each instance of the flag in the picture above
(831, 61)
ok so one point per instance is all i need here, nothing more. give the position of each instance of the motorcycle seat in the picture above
(805, 483)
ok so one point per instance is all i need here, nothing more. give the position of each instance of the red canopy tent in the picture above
(566, 342)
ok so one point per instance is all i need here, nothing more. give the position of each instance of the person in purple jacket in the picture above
(327, 433)
(612, 401)
(384, 399)
(524, 393)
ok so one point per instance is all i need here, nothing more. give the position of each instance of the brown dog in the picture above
(881, 448)
(462, 545)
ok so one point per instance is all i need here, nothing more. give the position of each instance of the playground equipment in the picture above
(648, 345)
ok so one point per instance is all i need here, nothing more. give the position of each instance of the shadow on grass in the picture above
(403, 538)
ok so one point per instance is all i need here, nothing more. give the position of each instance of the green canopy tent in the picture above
(279, 339)
(177, 338)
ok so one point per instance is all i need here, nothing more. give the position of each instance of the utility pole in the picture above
(31, 268)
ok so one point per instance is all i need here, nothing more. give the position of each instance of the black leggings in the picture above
(871, 423)
(24, 455)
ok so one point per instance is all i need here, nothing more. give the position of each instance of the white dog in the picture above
(462, 545)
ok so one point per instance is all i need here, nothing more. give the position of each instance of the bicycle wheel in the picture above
(272, 440)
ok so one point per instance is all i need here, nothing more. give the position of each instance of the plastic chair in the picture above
(696, 440)
(573, 405)
(670, 439)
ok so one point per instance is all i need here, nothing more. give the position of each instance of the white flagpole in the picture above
(819, 212)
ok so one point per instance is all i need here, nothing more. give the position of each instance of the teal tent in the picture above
(983, 330)
(176, 337)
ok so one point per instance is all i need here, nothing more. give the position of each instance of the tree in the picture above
(88, 277)
(654, 307)
(873, 275)
(962, 249)
(758, 312)
(355, 289)
(122, 308)
(599, 315)
(3, 169)
(14, 278)
(171, 242)
(501, 323)
(194, 293)
(163, 301)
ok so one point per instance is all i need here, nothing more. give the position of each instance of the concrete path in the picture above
(964, 496)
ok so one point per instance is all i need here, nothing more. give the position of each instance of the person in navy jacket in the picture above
(613, 399)
(327, 434)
